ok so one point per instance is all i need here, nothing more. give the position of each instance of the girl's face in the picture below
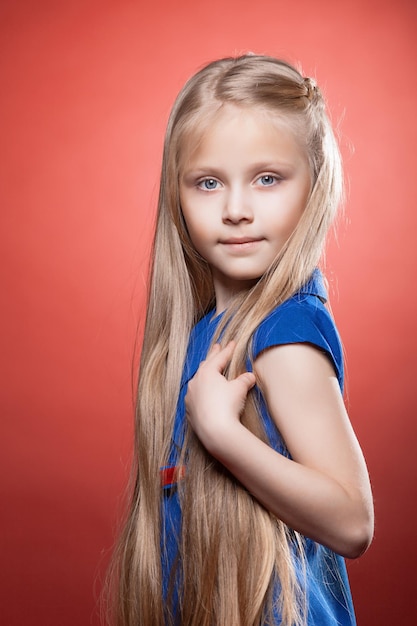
(242, 191)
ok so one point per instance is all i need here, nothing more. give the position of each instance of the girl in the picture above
(250, 486)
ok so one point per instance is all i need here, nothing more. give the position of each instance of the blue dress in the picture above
(303, 318)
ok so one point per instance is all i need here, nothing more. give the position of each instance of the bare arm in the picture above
(324, 491)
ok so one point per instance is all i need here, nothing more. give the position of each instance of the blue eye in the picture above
(267, 180)
(208, 184)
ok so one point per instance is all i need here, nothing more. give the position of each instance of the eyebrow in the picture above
(215, 171)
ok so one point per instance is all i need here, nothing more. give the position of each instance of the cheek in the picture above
(188, 213)
(197, 236)
(197, 221)
(297, 204)
(195, 229)
(295, 217)
(283, 219)
(293, 221)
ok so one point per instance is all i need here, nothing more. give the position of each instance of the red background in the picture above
(86, 88)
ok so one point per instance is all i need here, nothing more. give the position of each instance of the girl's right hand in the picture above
(323, 490)
(213, 403)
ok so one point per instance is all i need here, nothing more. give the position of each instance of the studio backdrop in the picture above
(86, 88)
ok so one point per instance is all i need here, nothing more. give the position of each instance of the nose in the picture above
(237, 207)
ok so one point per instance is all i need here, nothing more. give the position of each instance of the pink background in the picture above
(86, 88)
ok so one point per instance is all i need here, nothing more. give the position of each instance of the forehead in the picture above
(234, 130)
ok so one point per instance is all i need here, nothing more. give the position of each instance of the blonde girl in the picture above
(249, 484)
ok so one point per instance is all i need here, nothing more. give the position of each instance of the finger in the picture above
(222, 356)
(248, 379)
(215, 348)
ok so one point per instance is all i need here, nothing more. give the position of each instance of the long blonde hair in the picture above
(230, 568)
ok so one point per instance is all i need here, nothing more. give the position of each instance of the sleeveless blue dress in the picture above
(303, 318)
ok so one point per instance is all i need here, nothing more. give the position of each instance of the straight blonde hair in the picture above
(231, 568)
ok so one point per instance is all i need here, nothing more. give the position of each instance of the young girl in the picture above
(250, 486)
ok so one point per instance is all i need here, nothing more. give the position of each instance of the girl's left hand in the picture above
(213, 403)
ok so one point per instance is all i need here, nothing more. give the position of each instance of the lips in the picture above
(241, 245)
(240, 240)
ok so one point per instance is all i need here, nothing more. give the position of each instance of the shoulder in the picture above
(303, 318)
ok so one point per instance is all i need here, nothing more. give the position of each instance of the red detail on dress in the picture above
(171, 475)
